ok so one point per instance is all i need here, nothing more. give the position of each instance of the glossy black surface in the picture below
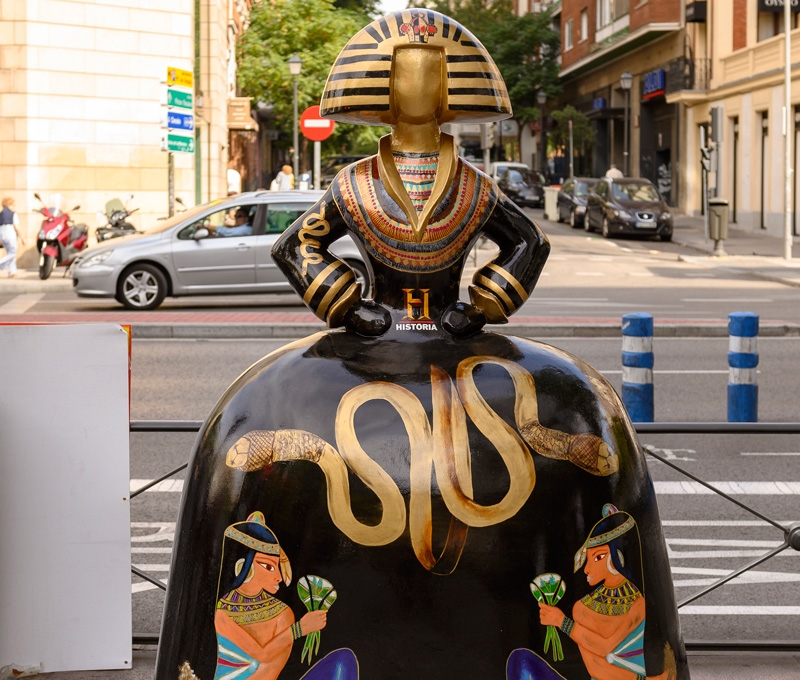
(401, 620)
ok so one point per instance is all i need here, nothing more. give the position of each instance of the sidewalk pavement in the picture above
(702, 666)
(748, 253)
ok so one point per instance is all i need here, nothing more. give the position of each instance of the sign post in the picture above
(179, 120)
(317, 129)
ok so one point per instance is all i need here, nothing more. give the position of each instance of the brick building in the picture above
(80, 109)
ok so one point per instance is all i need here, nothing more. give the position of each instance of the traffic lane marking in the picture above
(20, 304)
(739, 610)
(748, 578)
(686, 488)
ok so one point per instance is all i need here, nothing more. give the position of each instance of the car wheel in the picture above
(604, 229)
(573, 221)
(362, 276)
(665, 237)
(142, 287)
(559, 217)
(587, 225)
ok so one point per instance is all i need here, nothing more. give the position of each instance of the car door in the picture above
(219, 263)
(279, 215)
(595, 204)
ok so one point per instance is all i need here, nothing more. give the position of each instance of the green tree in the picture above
(525, 49)
(527, 58)
(582, 131)
(317, 31)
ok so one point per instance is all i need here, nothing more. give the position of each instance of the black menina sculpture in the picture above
(409, 496)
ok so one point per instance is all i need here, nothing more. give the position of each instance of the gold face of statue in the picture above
(416, 85)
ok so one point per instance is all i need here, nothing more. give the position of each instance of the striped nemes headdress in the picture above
(358, 86)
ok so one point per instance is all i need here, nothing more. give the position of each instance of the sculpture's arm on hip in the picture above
(326, 284)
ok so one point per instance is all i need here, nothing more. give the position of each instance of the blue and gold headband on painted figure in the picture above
(253, 533)
(613, 525)
(357, 89)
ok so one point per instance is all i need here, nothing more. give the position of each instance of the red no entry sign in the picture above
(315, 127)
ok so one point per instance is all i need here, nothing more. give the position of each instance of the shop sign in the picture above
(777, 6)
(599, 104)
(654, 83)
(239, 117)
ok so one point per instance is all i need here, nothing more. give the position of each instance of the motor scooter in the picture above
(59, 240)
(117, 215)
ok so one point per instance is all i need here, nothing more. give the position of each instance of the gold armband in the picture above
(489, 304)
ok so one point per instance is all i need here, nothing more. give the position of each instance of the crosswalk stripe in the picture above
(739, 610)
(687, 488)
(20, 304)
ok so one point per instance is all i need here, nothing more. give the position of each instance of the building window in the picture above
(603, 13)
(770, 24)
(568, 35)
(584, 24)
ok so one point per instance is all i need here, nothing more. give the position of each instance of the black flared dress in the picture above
(429, 477)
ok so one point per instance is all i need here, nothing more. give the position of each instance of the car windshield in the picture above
(179, 217)
(635, 192)
(582, 188)
(514, 176)
(533, 178)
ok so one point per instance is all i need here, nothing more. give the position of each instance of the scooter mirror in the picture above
(178, 200)
(77, 207)
(37, 197)
(130, 197)
(201, 233)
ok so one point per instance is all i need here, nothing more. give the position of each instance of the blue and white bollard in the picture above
(742, 362)
(637, 366)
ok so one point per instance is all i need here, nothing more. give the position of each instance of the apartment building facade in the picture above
(684, 59)
(602, 40)
(743, 42)
(81, 91)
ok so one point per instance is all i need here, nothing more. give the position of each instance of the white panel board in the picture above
(65, 585)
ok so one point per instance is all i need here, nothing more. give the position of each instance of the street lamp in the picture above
(625, 82)
(541, 98)
(295, 64)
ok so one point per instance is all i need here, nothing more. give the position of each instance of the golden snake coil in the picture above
(443, 447)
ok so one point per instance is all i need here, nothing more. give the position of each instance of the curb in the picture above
(252, 331)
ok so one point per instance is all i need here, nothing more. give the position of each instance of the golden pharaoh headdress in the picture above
(357, 89)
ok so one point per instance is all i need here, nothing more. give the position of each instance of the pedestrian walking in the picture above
(284, 180)
(9, 233)
(614, 172)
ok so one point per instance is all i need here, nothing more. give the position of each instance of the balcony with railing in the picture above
(685, 73)
(760, 59)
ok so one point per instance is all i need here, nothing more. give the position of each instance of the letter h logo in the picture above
(417, 307)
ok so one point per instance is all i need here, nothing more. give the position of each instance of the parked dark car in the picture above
(572, 200)
(628, 206)
(524, 188)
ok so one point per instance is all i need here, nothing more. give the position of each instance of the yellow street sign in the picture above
(178, 76)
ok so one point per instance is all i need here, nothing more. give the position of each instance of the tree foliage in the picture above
(317, 31)
(525, 48)
(582, 131)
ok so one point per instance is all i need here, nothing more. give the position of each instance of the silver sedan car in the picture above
(221, 247)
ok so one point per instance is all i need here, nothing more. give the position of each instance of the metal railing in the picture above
(685, 73)
(791, 533)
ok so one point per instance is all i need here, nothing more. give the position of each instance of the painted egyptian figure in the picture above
(426, 466)
(607, 624)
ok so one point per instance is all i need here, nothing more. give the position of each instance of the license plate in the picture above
(645, 224)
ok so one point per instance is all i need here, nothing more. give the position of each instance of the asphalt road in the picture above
(707, 535)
